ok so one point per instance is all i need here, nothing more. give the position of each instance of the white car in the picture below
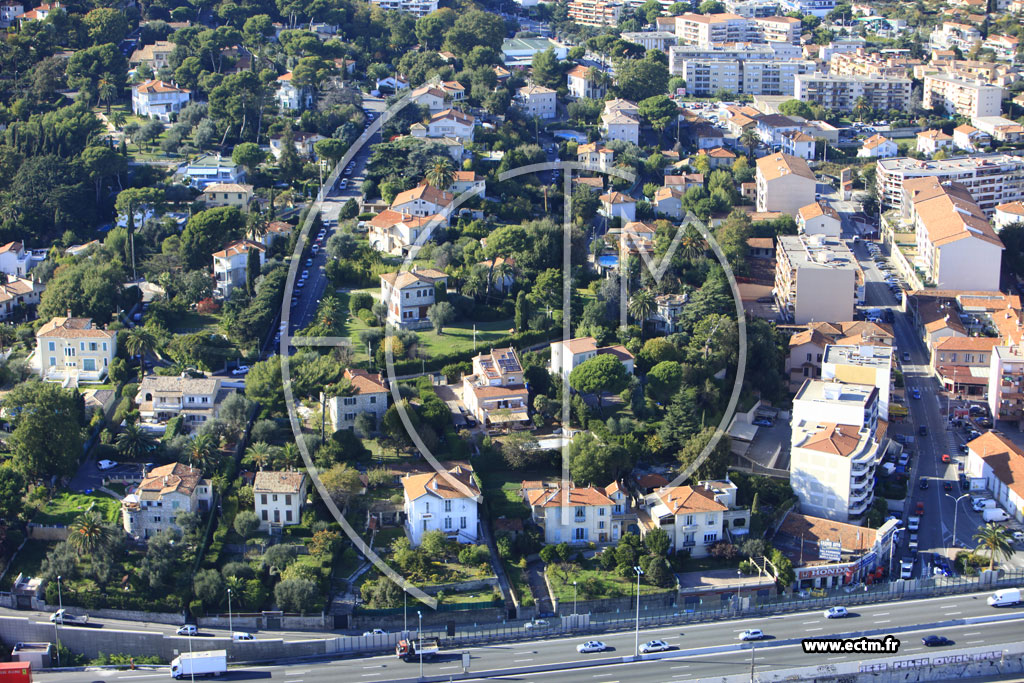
(240, 370)
(305, 274)
(536, 623)
(187, 630)
(654, 646)
(375, 632)
(106, 464)
(591, 646)
(241, 635)
(1018, 535)
(309, 263)
(836, 612)
(751, 634)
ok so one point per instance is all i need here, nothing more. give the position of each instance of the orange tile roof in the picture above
(934, 135)
(279, 482)
(1003, 456)
(73, 328)
(617, 198)
(173, 478)
(154, 86)
(813, 529)
(238, 247)
(427, 193)
(365, 383)
(681, 499)
(457, 482)
(834, 439)
(967, 343)
(578, 496)
(775, 166)
(817, 209)
(875, 140)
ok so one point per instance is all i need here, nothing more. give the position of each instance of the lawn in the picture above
(458, 338)
(27, 562)
(501, 491)
(66, 507)
(609, 584)
(517, 578)
(191, 321)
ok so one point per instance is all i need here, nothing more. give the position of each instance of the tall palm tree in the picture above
(750, 139)
(995, 541)
(692, 244)
(257, 225)
(201, 451)
(118, 118)
(289, 455)
(502, 274)
(441, 175)
(139, 342)
(134, 442)
(88, 533)
(641, 304)
(861, 108)
(106, 91)
(329, 312)
(259, 454)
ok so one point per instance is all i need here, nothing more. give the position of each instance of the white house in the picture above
(368, 395)
(209, 169)
(878, 147)
(158, 99)
(430, 96)
(798, 144)
(1008, 214)
(581, 85)
(16, 293)
(668, 308)
(970, 139)
(931, 141)
(468, 181)
(9, 10)
(302, 141)
(446, 502)
(536, 100)
(423, 200)
(566, 355)
(230, 265)
(291, 97)
(617, 204)
(73, 350)
(278, 498)
(620, 126)
(495, 394)
(393, 232)
(669, 201)
(14, 259)
(196, 400)
(449, 123)
(576, 515)
(999, 462)
(165, 492)
(819, 219)
(691, 516)
(409, 295)
(595, 155)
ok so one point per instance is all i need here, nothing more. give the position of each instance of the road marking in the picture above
(832, 659)
(949, 614)
(882, 614)
(365, 675)
(517, 661)
(973, 633)
(883, 621)
(375, 666)
(145, 676)
(814, 629)
(684, 666)
(810, 622)
(297, 673)
(457, 666)
(972, 642)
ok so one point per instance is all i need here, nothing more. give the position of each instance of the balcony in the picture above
(689, 544)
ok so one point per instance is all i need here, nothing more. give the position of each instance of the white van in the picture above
(1005, 597)
(994, 515)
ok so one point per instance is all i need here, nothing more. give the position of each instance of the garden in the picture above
(610, 573)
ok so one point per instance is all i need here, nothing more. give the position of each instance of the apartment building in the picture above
(782, 52)
(708, 29)
(837, 442)
(841, 93)
(861, 364)
(73, 350)
(991, 179)
(409, 295)
(495, 394)
(816, 278)
(164, 397)
(595, 155)
(956, 245)
(448, 502)
(417, 8)
(962, 364)
(620, 120)
(998, 461)
(999, 128)
(963, 97)
(650, 40)
(582, 85)
(595, 12)
(784, 183)
(819, 8)
(1006, 383)
(164, 493)
(278, 498)
(862, 62)
(991, 73)
(231, 264)
(368, 395)
(576, 515)
(807, 347)
(753, 8)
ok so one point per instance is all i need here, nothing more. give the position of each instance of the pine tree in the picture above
(252, 271)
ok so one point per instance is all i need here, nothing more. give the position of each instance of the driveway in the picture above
(539, 589)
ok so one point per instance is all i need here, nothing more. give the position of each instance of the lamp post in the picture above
(739, 587)
(192, 664)
(892, 539)
(405, 612)
(956, 510)
(574, 598)
(636, 642)
(419, 636)
(230, 627)
(60, 618)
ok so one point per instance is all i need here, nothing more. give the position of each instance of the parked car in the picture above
(920, 508)
(763, 422)
(375, 632)
(106, 464)
(936, 641)
(751, 634)
(240, 370)
(62, 617)
(946, 459)
(947, 486)
(923, 483)
(591, 646)
(836, 612)
(915, 393)
(923, 430)
(654, 646)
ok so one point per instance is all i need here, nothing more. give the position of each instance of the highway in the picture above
(892, 617)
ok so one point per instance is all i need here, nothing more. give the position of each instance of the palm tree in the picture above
(259, 454)
(692, 245)
(201, 451)
(750, 139)
(290, 456)
(641, 304)
(257, 225)
(994, 540)
(861, 108)
(134, 442)
(107, 91)
(118, 118)
(503, 274)
(139, 342)
(441, 175)
(88, 533)
(329, 312)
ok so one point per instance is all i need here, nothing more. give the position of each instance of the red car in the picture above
(946, 459)
(920, 508)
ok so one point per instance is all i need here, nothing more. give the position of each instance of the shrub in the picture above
(196, 608)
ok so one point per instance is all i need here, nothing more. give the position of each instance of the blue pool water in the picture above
(608, 260)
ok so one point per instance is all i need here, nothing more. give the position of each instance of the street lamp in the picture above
(60, 618)
(405, 613)
(419, 635)
(192, 664)
(739, 587)
(574, 598)
(892, 538)
(636, 643)
(230, 627)
(956, 510)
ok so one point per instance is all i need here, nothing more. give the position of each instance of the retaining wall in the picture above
(172, 618)
(395, 622)
(255, 622)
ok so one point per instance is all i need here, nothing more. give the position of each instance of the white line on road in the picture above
(684, 666)
(145, 676)
(949, 614)
(883, 621)
(972, 642)
(297, 673)
(457, 666)
(832, 659)
(882, 614)
(375, 666)
(809, 622)
(820, 628)
(517, 661)
(973, 633)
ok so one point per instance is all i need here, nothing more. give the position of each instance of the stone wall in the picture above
(624, 605)
(255, 622)
(39, 532)
(487, 585)
(434, 620)
(172, 618)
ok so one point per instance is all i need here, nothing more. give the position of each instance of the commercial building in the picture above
(842, 93)
(784, 183)
(959, 96)
(962, 364)
(992, 179)
(837, 437)
(816, 279)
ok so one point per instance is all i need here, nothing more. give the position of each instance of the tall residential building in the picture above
(963, 97)
(784, 183)
(861, 364)
(708, 29)
(1006, 383)
(842, 93)
(816, 278)
(992, 179)
(862, 62)
(753, 8)
(417, 8)
(768, 75)
(595, 12)
(836, 441)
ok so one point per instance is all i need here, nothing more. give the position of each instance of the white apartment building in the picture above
(777, 52)
(841, 93)
(861, 364)
(577, 515)
(819, 8)
(999, 462)
(708, 29)
(957, 248)
(581, 85)
(992, 179)
(368, 395)
(1006, 383)
(417, 8)
(73, 350)
(536, 100)
(620, 120)
(650, 40)
(836, 446)
(231, 263)
(784, 183)
(704, 77)
(691, 516)
(278, 498)
(753, 8)
(999, 128)
(963, 97)
(955, 35)
(163, 397)
(595, 155)
(816, 279)
(447, 502)
(595, 12)
(409, 295)
(165, 492)
(158, 99)
(566, 355)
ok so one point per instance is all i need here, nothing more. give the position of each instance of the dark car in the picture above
(922, 430)
(947, 486)
(923, 483)
(915, 393)
(763, 422)
(936, 641)
(964, 484)
(984, 422)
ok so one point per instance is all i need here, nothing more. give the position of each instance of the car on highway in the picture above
(591, 646)
(936, 641)
(923, 430)
(915, 393)
(536, 623)
(836, 612)
(305, 274)
(922, 483)
(375, 632)
(187, 630)
(309, 263)
(654, 646)
(240, 370)
(344, 182)
(106, 464)
(920, 508)
(947, 486)
(62, 617)
(946, 459)
(241, 635)
(751, 634)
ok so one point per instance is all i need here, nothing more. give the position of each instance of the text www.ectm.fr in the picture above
(889, 645)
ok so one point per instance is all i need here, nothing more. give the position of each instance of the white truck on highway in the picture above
(205, 663)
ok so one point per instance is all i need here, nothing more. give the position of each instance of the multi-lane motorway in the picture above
(919, 616)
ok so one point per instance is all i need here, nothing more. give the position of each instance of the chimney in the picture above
(69, 312)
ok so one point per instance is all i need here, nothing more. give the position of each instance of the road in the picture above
(914, 615)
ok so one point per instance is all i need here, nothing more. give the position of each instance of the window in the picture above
(819, 357)
(424, 525)
(447, 506)
(287, 515)
(581, 533)
(952, 358)
(51, 346)
(373, 399)
(462, 522)
(688, 520)
(600, 525)
(710, 519)
(806, 373)
(274, 498)
(617, 510)
(265, 516)
(350, 401)
(263, 499)
(808, 357)
(288, 499)
(710, 538)
(581, 512)
(447, 522)
(157, 518)
(600, 511)
(427, 505)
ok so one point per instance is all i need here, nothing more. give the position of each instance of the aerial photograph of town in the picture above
(572, 341)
